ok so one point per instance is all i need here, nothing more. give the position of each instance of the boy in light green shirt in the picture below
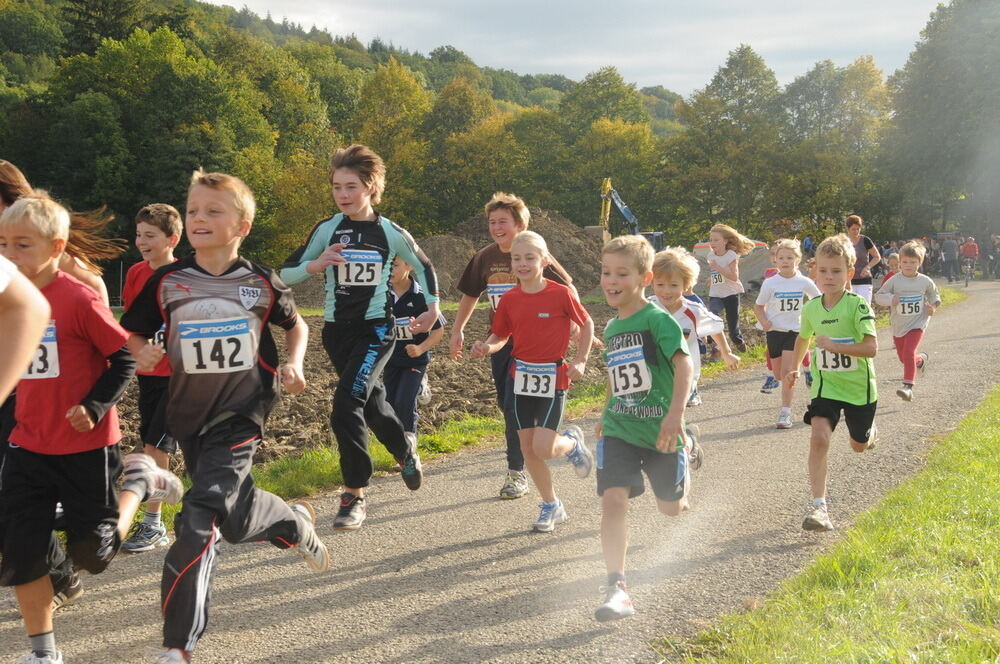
(843, 369)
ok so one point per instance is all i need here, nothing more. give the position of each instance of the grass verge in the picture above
(916, 580)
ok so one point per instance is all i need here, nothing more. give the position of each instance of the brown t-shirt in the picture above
(490, 271)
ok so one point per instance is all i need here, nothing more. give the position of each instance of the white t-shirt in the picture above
(696, 321)
(782, 299)
(718, 285)
(6, 270)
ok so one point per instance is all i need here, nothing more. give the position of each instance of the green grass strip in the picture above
(916, 580)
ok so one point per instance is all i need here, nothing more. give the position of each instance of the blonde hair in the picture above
(791, 245)
(734, 240)
(49, 219)
(513, 204)
(368, 166)
(242, 196)
(532, 239)
(838, 246)
(635, 247)
(896, 256)
(677, 261)
(913, 249)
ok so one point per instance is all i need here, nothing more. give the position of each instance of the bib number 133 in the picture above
(217, 346)
(535, 379)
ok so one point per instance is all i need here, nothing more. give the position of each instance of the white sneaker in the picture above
(905, 392)
(579, 456)
(784, 421)
(516, 485)
(32, 658)
(549, 516)
(617, 604)
(924, 357)
(172, 656)
(162, 486)
(310, 546)
(818, 519)
(872, 438)
(424, 396)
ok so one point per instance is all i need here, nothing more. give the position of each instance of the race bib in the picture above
(910, 305)
(716, 277)
(535, 380)
(216, 346)
(495, 292)
(628, 371)
(363, 268)
(788, 302)
(403, 331)
(830, 361)
(45, 363)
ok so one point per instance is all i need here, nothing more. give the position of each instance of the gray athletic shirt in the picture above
(915, 293)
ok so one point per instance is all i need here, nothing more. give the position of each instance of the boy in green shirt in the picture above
(643, 423)
(843, 370)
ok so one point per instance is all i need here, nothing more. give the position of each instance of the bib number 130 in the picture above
(217, 346)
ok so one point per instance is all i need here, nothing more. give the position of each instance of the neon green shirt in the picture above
(835, 375)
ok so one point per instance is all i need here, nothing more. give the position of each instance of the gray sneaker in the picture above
(579, 456)
(817, 520)
(905, 392)
(310, 546)
(352, 512)
(516, 485)
(162, 486)
(145, 537)
(695, 454)
(872, 438)
(424, 396)
(549, 516)
(32, 658)
(69, 593)
(784, 421)
(617, 604)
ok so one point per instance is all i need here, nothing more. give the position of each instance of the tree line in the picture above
(115, 102)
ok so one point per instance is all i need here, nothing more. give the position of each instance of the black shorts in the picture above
(621, 464)
(530, 412)
(859, 419)
(86, 483)
(153, 413)
(778, 342)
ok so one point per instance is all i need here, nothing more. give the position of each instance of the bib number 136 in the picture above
(830, 361)
(217, 346)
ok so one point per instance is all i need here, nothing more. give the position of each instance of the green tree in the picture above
(602, 94)
(458, 107)
(29, 31)
(393, 106)
(339, 85)
(90, 21)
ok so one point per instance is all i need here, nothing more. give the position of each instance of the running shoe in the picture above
(549, 516)
(817, 520)
(310, 546)
(424, 396)
(59, 522)
(872, 438)
(412, 471)
(579, 456)
(32, 658)
(695, 454)
(770, 384)
(69, 592)
(172, 656)
(516, 485)
(162, 486)
(695, 398)
(784, 421)
(145, 537)
(740, 347)
(617, 604)
(352, 512)
(905, 392)
(809, 377)
(922, 359)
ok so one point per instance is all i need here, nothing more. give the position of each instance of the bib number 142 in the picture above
(217, 346)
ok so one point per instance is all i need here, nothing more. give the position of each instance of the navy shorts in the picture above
(621, 464)
(859, 419)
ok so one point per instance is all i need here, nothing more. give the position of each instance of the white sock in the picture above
(151, 518)
(819, 502)
(786, 410)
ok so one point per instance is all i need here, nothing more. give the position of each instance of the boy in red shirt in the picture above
(158, 229)
(63, 448)
(539, 314)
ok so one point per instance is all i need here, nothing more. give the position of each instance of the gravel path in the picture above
(451, 574)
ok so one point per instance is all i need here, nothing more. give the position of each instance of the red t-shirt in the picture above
(970, 250)
(135, 279)
(539, 323)
(71, 357)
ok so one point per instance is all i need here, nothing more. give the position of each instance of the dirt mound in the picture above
(449, 254)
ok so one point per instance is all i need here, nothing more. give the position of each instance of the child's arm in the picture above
(886, 295)
(465, 308)
(932, 296)
(761, 312)
(732, 271)
(291, 373)
(732, 360)
(145, 353)
(867, 347)
(24, 311)
(672, 426)
(314, 256)
(579, 365)
(492, 344)
(801, 348)
(435, 336)
(105, 393)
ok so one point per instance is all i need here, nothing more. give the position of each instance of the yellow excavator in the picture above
(631, 223)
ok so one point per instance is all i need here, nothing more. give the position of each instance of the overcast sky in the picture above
(677, 44)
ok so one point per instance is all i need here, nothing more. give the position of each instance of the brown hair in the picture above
(634, 246)
(734, 240)
(85, 243)
(837, 246)
(368, 166)
(853, 220)
(913, 249)
(162, 216)
(679, 261)
(242, 196)
(513, 204)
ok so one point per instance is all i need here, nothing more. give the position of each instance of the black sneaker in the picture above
(351, 514)
(412, 471)
(68, 592)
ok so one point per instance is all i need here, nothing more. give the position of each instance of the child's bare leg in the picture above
(819, 449)
(162, 460)
(549, 444)
(35, 600)
(858, 447)
(536, 465)
(675, 507)
(128, 505)
(783, 365)
(614, 528)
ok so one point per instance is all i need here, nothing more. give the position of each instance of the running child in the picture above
(892, 261)
(674, 272)
(406, 371)
(158, 229)
(771, 381)
(489, 271)
(779, 310)
(355, 250)
(24, 313)
(913, 298)
(725, 286)
(538, 313)
(643, 421)
(844, 327)
(216, 307)
(64, 445)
